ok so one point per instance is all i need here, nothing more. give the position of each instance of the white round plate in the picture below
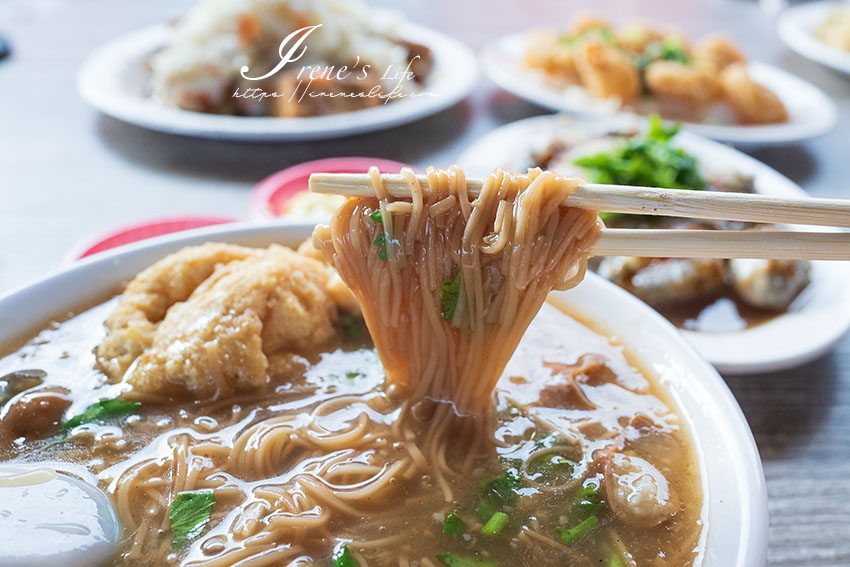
(796, 27)
(811, 113)
(818, 317)
(113, 80)
(735, 509)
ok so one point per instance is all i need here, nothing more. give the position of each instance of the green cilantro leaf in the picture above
(449, 294)
(452, 560)
(453, 525)
(342, 557)
(377, 216)
(190, 512)
(497, 494)
(381, 242)
(103, 410)
(572, 535)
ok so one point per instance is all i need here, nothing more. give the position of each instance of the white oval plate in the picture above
(735, 512)
(811, 112)
(113, 79)
(796, 26)
(818, 317)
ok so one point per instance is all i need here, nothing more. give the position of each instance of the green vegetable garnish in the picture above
(589, 502)
(103, 410)
(342, 557)
(572, 535)
(548, 441)
(497, 494)
(453, 525)
(352, 325)
(495, 524)
(668, 49)
(647, 161)
(449, 294)
(600, 32)
(453, 560)
(553, 467)
(381, 242)
(377, 216)
(615, 560)
(190, 512)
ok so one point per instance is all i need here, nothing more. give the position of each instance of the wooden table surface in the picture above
(67, 173)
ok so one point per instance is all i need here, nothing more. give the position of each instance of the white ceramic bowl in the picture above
(796, 27)
(735, 510)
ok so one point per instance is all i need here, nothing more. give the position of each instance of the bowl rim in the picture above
(28, 308)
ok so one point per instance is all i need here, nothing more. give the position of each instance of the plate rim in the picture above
(121, 53)
(742, 135)
(791, 28)
(730, 365)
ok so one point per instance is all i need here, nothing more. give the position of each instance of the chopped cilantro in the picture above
(572, 535)
(453, 525)
(342, 557)
(668, 49)
(101, 411)
(497, 494)
(377, 216)
(452, 560)
(381, 242)
(190, 512)
(552, 467)
(449, 294)
(589, 502)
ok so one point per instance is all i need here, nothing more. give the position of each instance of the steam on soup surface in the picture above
(581, 460)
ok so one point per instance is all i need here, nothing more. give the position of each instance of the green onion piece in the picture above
(190, 512)
(101, 411)
(572, 535)
(381, 242)
(449, 294)
(377, 216)
(452, 560)
(342, 557)
(615, 560)
(495, 524)
(453, 525)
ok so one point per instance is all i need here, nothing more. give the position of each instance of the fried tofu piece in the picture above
(718, 51)
(696, 84)
(752, 102)
(147, 298)
(220, 339)
(607, 72)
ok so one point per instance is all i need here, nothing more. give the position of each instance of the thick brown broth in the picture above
(611, 410)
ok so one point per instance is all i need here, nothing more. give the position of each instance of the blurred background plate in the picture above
(816, 320)
(271, 196)
(811, 113)
(796, 26)
(113, 80)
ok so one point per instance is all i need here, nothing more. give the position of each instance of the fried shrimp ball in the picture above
(694, 83)
(220, 339)
(607, 72)
(719, 51)
(752, 102)
(546, 51)
(147, 298)
(636, 37)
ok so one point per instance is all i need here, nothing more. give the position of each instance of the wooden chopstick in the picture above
(746, 207)
(768, 244)
(671, 243)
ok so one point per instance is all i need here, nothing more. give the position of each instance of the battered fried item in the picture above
(718, 51)
(220, 339)
(146, 299)
(752, 103)
(636, 37)
(694, 83)
(547, 52)
(607, 72)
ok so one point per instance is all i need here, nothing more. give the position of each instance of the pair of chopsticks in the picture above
(673, 243)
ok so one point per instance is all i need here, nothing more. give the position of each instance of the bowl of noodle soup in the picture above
(729, 506)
